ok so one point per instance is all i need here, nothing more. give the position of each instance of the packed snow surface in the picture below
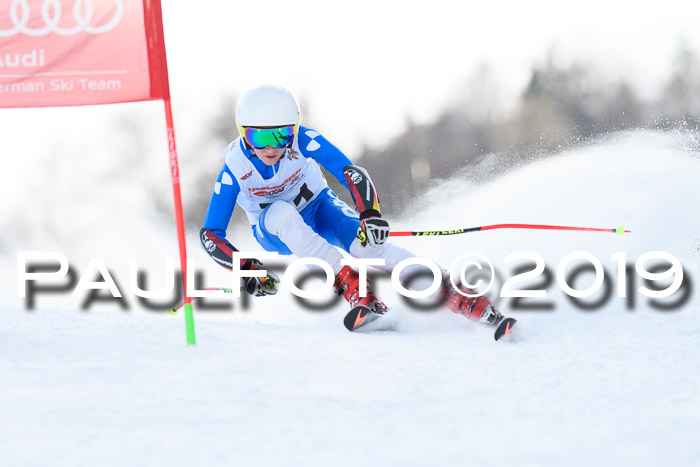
(280, 384)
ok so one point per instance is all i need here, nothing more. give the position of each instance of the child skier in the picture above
(272, 171)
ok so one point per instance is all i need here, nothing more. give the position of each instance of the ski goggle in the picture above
(278, 138)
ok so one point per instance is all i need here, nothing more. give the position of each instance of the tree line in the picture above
(558, 108)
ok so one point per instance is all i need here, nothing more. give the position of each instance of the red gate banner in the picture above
(84, 52)
(81, 52)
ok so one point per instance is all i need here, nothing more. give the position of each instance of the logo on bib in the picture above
(292, 154)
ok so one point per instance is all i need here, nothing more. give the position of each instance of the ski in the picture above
(504, 328)
(359, 317)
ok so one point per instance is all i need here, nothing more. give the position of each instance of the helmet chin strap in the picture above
(247, 146)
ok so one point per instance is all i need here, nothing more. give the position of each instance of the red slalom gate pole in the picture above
(179, 221)
(619, 230)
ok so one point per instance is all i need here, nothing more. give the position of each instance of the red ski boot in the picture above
(364, 309)
(477, 309)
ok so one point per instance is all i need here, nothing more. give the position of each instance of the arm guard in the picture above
(362, 191)
(220, 250)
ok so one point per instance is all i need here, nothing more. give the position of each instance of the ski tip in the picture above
(356, 317)
(359, 317)
(504, 329)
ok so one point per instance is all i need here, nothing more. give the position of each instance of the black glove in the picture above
(373, 231)
(259, 286)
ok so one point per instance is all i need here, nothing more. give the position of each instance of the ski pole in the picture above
(620, 230)
(173, 310)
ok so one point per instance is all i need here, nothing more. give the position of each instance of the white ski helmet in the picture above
(267, 106)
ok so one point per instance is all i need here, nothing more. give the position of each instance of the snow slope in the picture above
(279, 384)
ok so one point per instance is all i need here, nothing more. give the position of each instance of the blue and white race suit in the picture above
(295, 180)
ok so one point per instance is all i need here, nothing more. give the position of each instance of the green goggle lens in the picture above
(260, 138)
